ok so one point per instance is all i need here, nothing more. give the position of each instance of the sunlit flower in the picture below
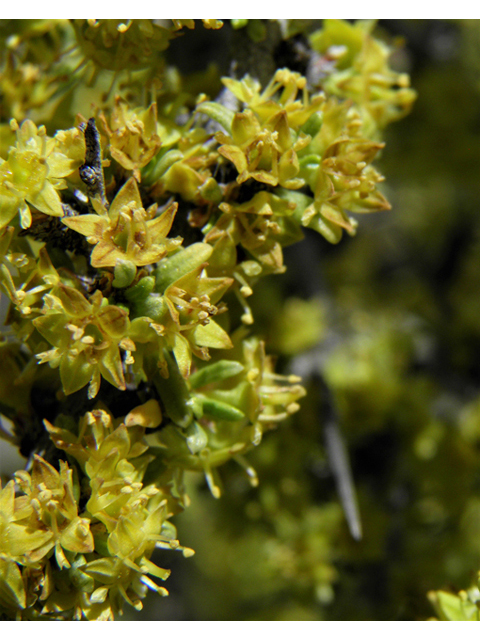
(132, 135)
(34, 171)
(86, 336)
(128, 232)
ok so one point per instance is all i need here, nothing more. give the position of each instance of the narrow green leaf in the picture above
(219, 113)
(215, 372)
(174, 267)
(220, 410)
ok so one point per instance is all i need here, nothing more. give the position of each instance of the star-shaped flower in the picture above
(127, 232)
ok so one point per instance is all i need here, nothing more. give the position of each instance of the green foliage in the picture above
(129, 244)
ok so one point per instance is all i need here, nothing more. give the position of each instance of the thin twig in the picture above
(338, 459)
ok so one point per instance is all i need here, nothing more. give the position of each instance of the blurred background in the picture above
(391, 319)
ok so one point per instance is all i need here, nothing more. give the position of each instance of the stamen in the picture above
(247, 317)
(251, 473)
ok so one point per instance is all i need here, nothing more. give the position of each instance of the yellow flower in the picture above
(129, 520)
(132, 135)
(40, 517)
(265, 152)
(49, 499)
(87, 337)
(362, 72)
(232, 402)
(176, 311)
(34, 171)
(188, 171)
(192, 303)
(340, 173)
(279, 95)
(128, 232)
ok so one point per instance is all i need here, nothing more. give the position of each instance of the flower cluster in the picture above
(313, 150)
(224, 410)
(40, 523)
(132, 136)
(127, 233)
(128, 246)
(106, 551)
(355, 65)
(35, 169)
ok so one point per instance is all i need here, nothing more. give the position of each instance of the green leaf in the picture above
(212, 335)
(215, 372)
(156, 169)
(176, 266)
(141, 290)
(75, 372)
(12, 589)
(220, 410)
(125, 272)
(219, 113)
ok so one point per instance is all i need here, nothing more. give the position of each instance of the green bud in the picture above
(125, 272)
(256, 30)
(144, 301)
(196, 438)
(312, 160)
(251, 268)
(141, 290)
(239, 24)
(211, 191)
(197, 407)
(301, 201)
(313, 125)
